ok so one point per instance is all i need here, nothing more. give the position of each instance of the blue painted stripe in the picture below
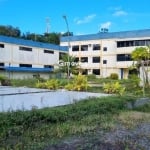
(27, 69)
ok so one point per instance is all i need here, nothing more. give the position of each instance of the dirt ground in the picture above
(118, 139)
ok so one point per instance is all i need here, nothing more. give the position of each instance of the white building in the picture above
(100, 54)
(25, 58)
(106, 53)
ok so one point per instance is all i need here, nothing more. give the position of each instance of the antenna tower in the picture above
(47, 25)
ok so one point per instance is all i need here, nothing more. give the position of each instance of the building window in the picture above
(96, 47)
(75, 48)
(84, 59)
(48, 51)
(140, 43)
(125, 43)
(1, 64)
(104, 48)
(96, 59)
(124, 57)
(1, 45)
(25, 48)
(84, 47)
(25, 65)
(104, 61)
(147, 42)
(96, 71)
(133, 43)
(48, 66)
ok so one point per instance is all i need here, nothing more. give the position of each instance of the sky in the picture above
(83, 16)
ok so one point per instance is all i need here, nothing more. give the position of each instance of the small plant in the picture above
(113, 88)
(49, 84)
(4, 81)
(79, 83)
(91, 76)
(114, 76)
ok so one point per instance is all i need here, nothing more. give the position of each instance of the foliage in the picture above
(4, 81)
(79, 83)
(68, 64)
(49, 84)
(66, 34)
(114, 88)
(10, 31)
(91, 76)
(131, 119)
(2, 77)
(142, 56)
(140, 53)
(145, 108)
(32, 129)
(114, 76)
(133, 78)
(53, 37)
(30, 82)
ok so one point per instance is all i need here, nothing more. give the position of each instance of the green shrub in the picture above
(113, 88)
(69, 87)
(79, 83)
(5, 81)
(135, 80)
(29, 82)
(49, 84)
(2, 77)
(91, 76)
(114, 76)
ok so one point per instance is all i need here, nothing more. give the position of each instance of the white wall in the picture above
(11, 55)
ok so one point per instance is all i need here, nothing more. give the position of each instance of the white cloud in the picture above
(86, 19)
(105, 25)
(120, 13)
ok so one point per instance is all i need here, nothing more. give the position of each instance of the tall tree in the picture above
(142, 56)
(52, 38)
(68, 65)
(10, 31)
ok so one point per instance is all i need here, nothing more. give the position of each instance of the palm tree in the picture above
(141, 55)
(68, 65)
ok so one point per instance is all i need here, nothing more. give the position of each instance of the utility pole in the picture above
(47, 25)
(68, 63)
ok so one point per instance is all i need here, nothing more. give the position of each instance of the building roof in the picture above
(109, 35)
(31, 43)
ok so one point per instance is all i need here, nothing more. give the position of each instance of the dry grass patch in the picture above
(131, 119)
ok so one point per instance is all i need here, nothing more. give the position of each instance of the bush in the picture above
(91, 76)
(79, 83)
(4, 81)
(113, 88)
(29, 82)
(49, 84)
(114, 76)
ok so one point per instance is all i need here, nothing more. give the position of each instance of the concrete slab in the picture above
(8, 90)
(13, 99)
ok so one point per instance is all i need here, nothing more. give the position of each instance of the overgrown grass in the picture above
(130, 119)
(36, 128)
(33, 130)
(24, 82)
